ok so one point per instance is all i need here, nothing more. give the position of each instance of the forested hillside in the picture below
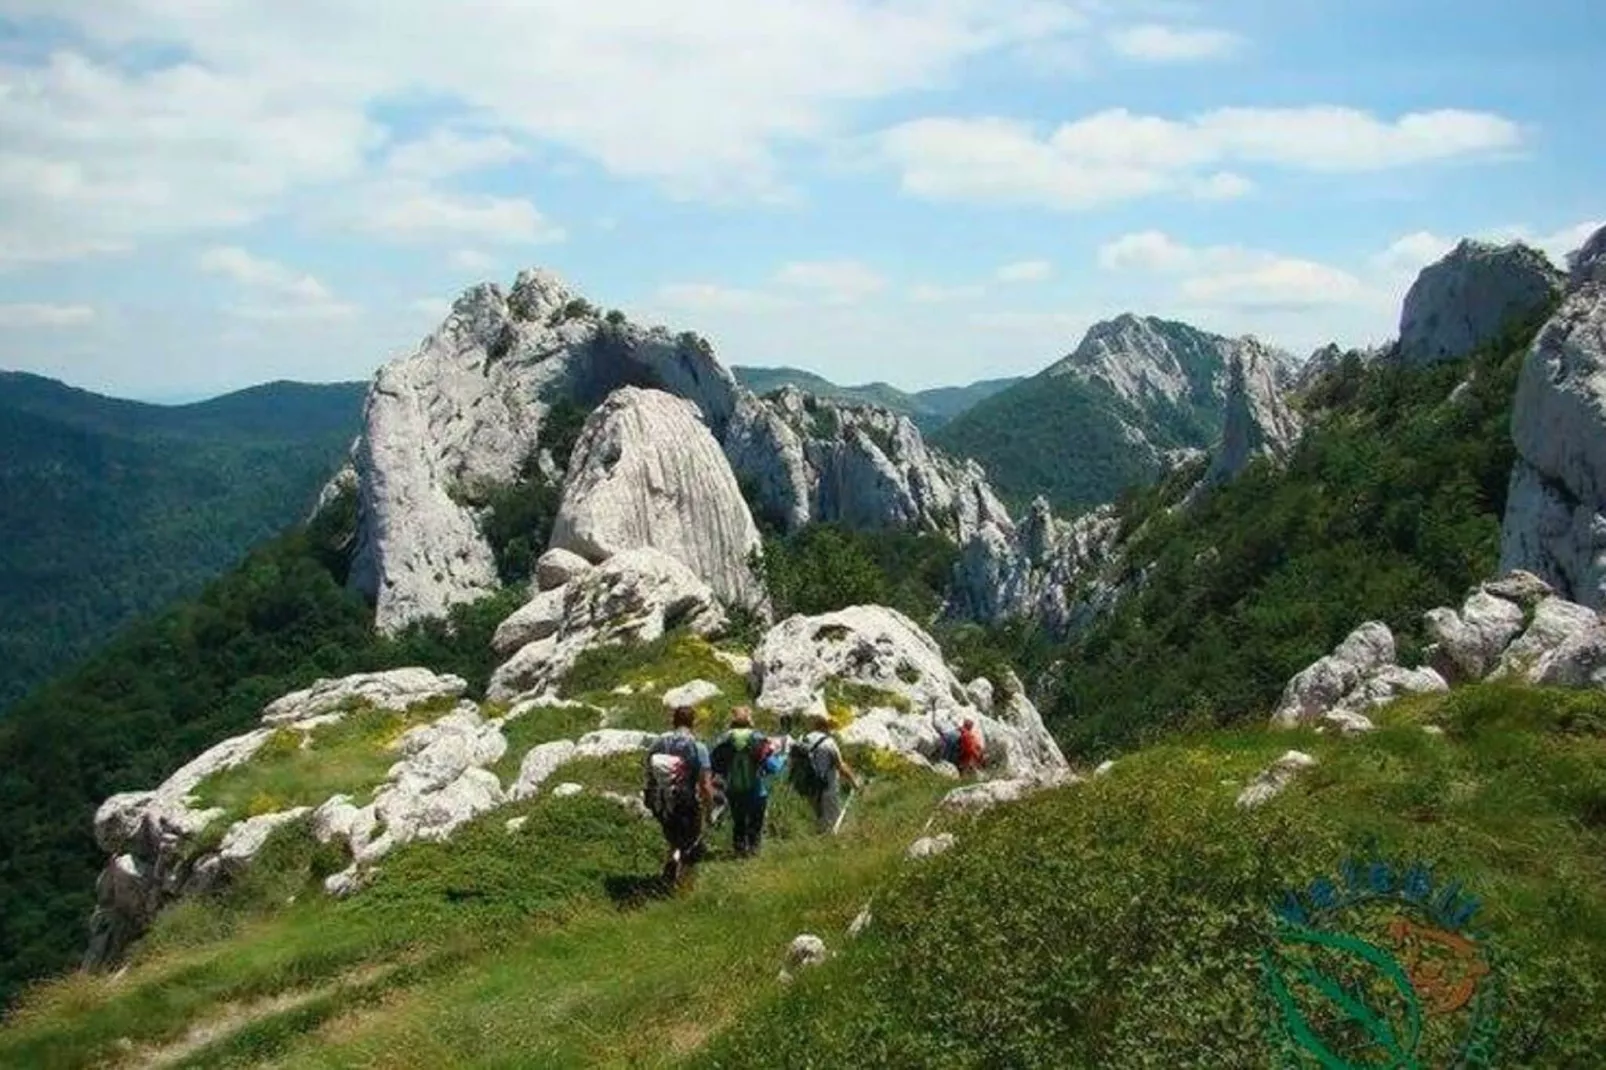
(1389, 506)
(115, 508)
(929, 409)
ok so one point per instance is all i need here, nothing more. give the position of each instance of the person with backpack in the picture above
(745, 759)
(817, 772)
(962, 747)
(680, 791)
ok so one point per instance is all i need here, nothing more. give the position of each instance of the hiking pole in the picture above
(844, 811)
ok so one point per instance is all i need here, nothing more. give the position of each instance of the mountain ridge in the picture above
(929, 408)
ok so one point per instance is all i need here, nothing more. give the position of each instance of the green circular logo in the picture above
(1381, 969)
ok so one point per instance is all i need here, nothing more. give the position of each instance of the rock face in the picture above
(1258, 421)
(1555, 522)
(1510, 628)
(636, 595)
(880, 648)
(466, 410)
(148, 834)
(1468, 298)
(646, 472)
(1032, 571)
(1358, 676)
(808, 459)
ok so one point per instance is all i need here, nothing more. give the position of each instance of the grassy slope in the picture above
(1132, 937)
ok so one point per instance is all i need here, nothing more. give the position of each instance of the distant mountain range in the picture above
(929, 409)
(1108, 416)
(112, 508)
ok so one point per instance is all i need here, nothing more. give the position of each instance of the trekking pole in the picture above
(844, 811)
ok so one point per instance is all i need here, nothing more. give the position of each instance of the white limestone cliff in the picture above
(1555, 522)
(1471, 295)
(646, 472)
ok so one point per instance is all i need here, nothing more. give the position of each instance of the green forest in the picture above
(116, 508)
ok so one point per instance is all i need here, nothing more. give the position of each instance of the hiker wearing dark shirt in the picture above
(680, 791)
(818, 771)
(746, 759)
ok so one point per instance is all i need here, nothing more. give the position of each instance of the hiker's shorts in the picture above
(828, 807)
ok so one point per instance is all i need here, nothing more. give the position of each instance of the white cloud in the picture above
(1025, 271)
(837, 281)
(1222, 186)
(697, 297)
(929, 294)
(1155, 43)
(471, 260)
(1116, 155)
(1410, 253)
(1235, 276)
(273, 100)
(274, 291)
(41, 315)
(409, 213)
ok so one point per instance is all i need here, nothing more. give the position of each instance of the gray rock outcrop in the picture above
(1258, 421)
(646, 472)
(1274, 779)
(1466, 299)
(466, 410)
(807, 459)
(1555, 522)
(636, 595)
(148, 835)
(876, 647)
(1063, 574)
(1359, 675)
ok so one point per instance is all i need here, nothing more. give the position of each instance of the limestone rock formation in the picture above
(1274, 779)
(1258, 421)
(646, 472)
(1031, 572)
(807, 459)
(880, 648)
(466, 410)
(1359, 675)
(635, 595)
(1469, 297)
(148, 834)
(930, 846)
(1555, 522)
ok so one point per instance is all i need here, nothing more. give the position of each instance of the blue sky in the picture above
(198, 196)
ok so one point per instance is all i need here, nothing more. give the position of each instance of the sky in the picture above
(198, 195)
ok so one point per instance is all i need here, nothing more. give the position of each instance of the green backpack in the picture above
(737, 758)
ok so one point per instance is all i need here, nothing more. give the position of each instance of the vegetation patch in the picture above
(650, 669)
(543, 724)
(1136, 935)
(348, 757)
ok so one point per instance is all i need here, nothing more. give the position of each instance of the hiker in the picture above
(680, 791)
(745, 759)
(817, 771)
(962, 747)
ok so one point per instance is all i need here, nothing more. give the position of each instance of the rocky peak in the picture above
(1466, 299)
(537, 294)
(1555, 522)
(1143, 358)
(1259, 421)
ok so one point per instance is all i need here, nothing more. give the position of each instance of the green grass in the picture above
(348, 757)
(543, 724)
(1117, 922)
(650, 669)
(1134, 936)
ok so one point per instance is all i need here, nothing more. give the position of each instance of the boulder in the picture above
(1323, 685)
(245, 839)
(692, 693)
(635, 596)
(397, 689)
(567, 791)
(930, 846)
(538, 618)
(646, 472)
(806, 951)
(606, 742)
(1555, 522)
(1471, 641)
(1556, 623)
(538, 765)
(1274, 779)
(861, 921)
(1466, 299)
(975, 798)
(879, 648)
(558, 566)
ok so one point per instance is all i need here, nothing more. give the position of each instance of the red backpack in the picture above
(972, 750)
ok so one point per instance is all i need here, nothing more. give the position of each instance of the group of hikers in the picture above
(690, 786)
